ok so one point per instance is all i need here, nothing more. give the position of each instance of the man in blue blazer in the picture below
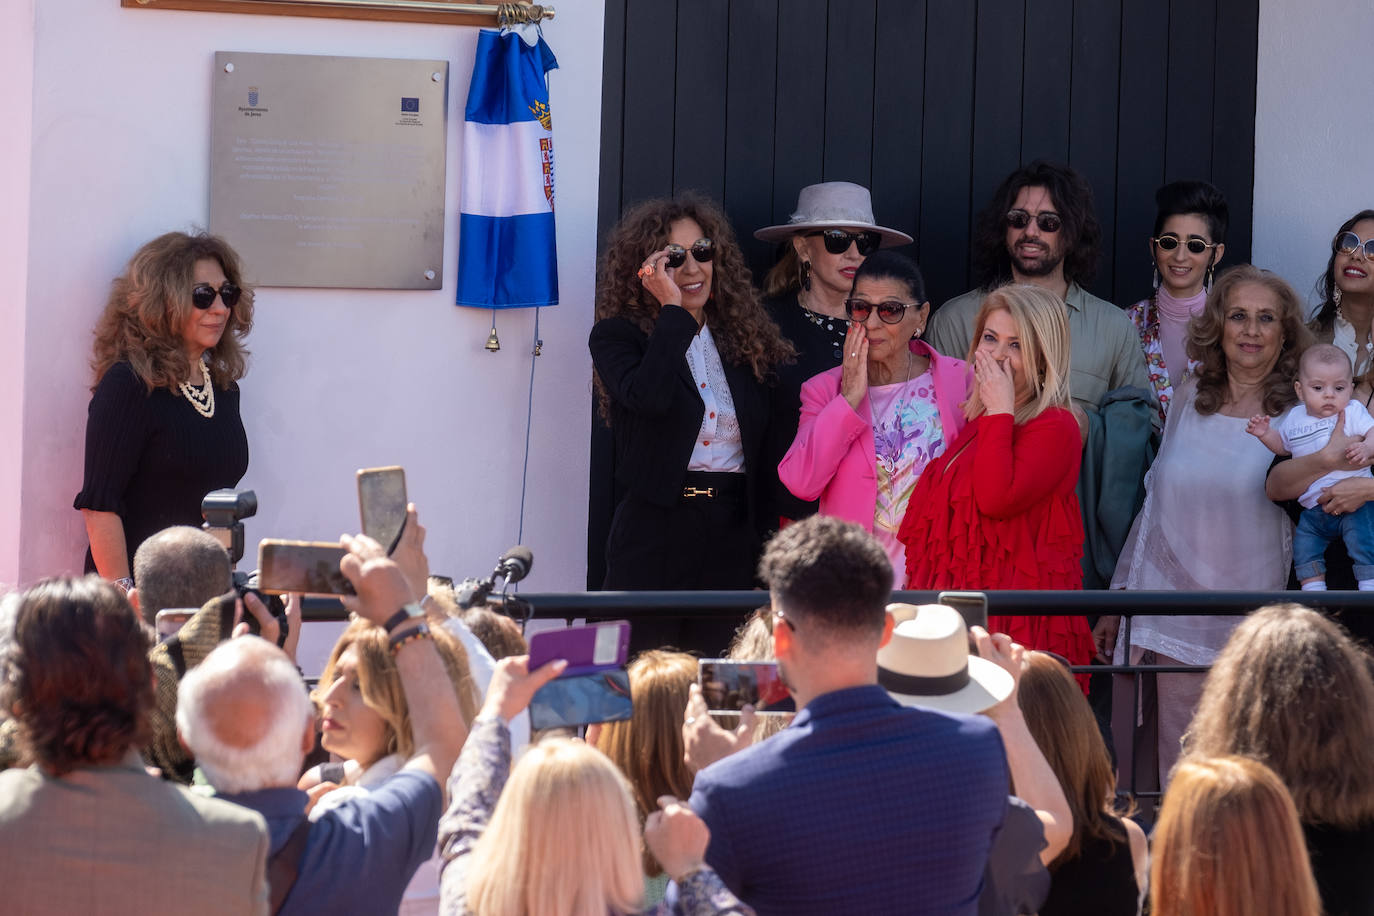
(863, 805)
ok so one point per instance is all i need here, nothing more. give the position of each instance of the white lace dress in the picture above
(1206, 524)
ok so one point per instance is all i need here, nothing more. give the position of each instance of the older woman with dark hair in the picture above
(823, 243)
(163, 428)
(869, 427)
(1346, 315)
(1292, 690)
(1206, 523)
(685, 356)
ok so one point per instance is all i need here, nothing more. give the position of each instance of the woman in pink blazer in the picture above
(869, 427)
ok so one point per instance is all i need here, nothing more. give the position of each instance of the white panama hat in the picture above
(926, 663)
(833, 205)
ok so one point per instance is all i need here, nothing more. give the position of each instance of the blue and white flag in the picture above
(506, 252)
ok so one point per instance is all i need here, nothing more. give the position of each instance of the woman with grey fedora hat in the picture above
(823, 243)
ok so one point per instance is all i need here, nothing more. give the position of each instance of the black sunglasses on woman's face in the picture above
(203, 295)
(837, 241)
(702, 249)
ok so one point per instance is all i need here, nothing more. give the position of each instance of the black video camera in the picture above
(224, 512)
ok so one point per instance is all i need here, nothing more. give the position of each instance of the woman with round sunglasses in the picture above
(163, 427)
(684, 358)
(998, 509)
(869, 427)
(1189, 239)
(1346, 315)
(823, 243)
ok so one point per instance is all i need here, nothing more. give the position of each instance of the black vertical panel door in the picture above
(930, 103)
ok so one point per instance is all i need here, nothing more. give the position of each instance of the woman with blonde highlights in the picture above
(998, 510)
(1228, 844)
(1292, 690)
(1206, 522)
(365, 720)
(163, 428)
(560, 836)
(648, 748)
(1105, 866)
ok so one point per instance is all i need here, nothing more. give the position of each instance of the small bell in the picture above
(493, 342)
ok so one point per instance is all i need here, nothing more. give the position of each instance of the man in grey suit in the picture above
(86, 829)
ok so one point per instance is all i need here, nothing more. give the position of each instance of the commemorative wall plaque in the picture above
(329, 171)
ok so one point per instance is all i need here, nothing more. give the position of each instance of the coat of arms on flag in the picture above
(506, 252)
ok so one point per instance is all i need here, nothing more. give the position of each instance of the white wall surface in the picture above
(339, 379)
(1314, 132)
(16, 115)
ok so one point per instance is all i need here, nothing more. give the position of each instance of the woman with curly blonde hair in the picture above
(163, 428)
(1292, 690)
(685, 359)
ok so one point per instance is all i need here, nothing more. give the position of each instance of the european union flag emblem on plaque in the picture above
(410, 105)
(252, 96)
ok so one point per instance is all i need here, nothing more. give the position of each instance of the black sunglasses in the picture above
(837, 241)
(1194, 245)
(890, 311)
(1046, 221)
(1349, 243)
(702, 249)
(203, 295)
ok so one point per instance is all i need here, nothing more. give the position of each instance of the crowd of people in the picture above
(830, 438)
(929, 768)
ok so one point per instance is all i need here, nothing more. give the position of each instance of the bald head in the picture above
(246, 717)
(179, 567)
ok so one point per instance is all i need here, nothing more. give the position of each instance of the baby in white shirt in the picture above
(1324, 386)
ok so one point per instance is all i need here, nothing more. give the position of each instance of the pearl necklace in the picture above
(202, 398)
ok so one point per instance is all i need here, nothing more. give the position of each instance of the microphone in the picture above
(515, 564)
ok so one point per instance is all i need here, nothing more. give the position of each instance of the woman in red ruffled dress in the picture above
(998, 509)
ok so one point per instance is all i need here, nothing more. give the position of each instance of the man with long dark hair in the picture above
(1039, 228)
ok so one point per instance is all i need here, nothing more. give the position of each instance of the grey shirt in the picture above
(1105, 349)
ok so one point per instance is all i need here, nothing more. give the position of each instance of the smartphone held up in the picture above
(595, 687)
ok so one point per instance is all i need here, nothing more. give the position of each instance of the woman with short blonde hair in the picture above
(997, 510)
(1228, 843)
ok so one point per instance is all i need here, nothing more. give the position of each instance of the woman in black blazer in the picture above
(684, 355)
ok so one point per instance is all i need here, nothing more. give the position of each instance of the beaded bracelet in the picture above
(400, 639)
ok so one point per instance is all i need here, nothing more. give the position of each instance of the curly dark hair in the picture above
(1325, 318)
(79, 672)
(1073, 201)
(1205, 333)
(150, 304)
(743, 332)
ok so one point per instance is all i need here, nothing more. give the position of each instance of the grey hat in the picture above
(833, 205)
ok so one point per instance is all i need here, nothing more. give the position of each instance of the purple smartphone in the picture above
(597, 645)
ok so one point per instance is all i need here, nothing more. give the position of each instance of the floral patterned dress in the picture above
(907, 436)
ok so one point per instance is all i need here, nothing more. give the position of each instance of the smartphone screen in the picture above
(382, 504)
(972, 606)
(593, 646)
(170, 620)
(602, 696)
(728, 686)
(301, 566)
